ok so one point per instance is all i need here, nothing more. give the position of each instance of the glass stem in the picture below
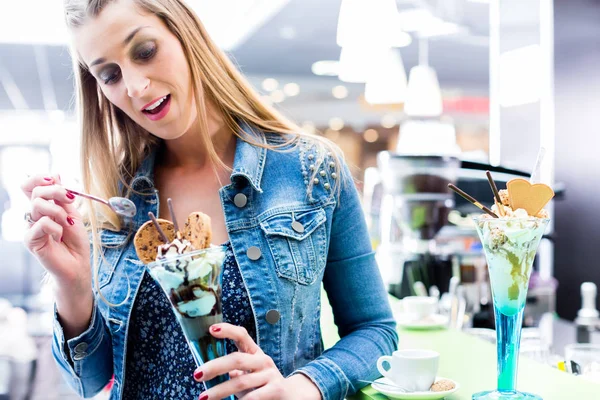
(508, 340)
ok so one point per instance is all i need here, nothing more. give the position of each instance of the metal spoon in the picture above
(120, 205)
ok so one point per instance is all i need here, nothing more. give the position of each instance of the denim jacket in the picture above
(283, 269)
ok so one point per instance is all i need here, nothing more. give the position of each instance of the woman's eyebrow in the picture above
(128, 39)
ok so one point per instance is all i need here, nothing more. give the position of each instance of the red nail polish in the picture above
(48, 179)
(216, 329)
(61, 239)
(70, 221)
(198, 375)
(70, 195)
(203, 397)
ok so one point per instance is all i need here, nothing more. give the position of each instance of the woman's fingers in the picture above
(43, 208)
(234, 361)
(238, 334)
(38, 235)
(35, 181)
(53, 192)
(238, 385)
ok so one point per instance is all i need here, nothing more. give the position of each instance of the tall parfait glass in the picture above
(510, 245)
(192, 283)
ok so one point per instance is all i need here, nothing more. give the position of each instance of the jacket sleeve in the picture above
(87, 366)
(359, 301)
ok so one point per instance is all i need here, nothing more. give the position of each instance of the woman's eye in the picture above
(110, 77)
(146, 52)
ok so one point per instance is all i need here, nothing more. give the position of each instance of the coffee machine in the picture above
(414, 204)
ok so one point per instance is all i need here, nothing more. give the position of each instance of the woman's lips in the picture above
(159, 112)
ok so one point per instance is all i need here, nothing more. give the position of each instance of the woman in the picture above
(164, 114)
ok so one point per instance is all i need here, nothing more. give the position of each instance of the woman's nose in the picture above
(136, 85)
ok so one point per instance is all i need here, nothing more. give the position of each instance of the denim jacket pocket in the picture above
(112, 246)
(300, 254)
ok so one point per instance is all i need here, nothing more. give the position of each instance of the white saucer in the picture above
(434, 321)
(396, 394)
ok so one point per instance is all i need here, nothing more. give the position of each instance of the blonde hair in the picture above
(214, 77)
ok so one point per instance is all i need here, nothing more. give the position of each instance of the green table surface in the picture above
(471, 362)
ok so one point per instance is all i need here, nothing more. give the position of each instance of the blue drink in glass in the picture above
(192, 282)
(510, 245)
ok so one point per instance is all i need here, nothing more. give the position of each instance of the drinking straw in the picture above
(535, 174)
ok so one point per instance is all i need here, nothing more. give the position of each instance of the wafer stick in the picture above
(472, 200)
(497, 198)
(172, 212)
(158, 228)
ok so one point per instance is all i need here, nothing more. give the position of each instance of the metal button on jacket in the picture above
(79, 356)
(240, 200)
(298, 227)
(272, 316)
(81, 347)
(253, 253)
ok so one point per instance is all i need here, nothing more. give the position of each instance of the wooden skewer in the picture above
(158, 228)
(472, 200)
(497, 198)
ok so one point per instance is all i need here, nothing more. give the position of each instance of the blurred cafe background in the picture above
(417, 93)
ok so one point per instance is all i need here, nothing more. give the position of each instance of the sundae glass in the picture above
(510, 245)
(510, 232)
(188, 268)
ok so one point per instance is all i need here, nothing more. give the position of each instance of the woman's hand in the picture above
(253, 374)
(58, 239)
(56, 235)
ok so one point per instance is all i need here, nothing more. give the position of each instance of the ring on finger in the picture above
(28, 218)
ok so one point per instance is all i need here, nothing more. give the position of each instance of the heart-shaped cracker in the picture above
(198, 231)
(147, 239)
(531, 198)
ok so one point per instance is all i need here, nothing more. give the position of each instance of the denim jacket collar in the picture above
(249, 162)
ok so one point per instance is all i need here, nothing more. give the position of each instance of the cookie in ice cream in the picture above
(198, 230)
(531, 198)
(148, 239)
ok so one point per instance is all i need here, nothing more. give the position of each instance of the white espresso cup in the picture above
(411, 370)
(419, 307)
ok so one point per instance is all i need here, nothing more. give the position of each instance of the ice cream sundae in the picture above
(510, 232)
(188, 269)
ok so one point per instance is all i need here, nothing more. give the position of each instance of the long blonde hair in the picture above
(214, 77)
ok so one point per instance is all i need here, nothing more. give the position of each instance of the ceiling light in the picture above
(423, 96)
(291, 89)
(388, 121)
(277, 96)
(371, 135)
(362, 23)
(270, 84)
(340, 92)
(423, 22)
(357, 62)
(387, 80)
(336, 124)
(401, 39)
(326, 68)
